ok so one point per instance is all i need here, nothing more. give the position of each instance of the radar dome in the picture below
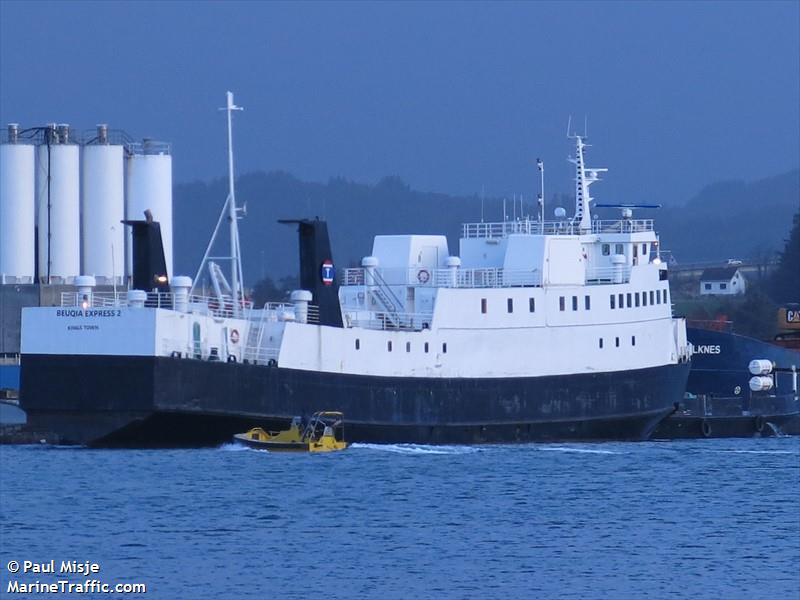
(560, 212)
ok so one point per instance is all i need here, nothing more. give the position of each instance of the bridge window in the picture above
(620, 249)
(483, 305)
(606, 249)
(426, 347)
(587, 302)
(617, 339)
(510, 305)
(723, 286)
(574, 303)
(408, 346)
(636, 297)
(444, 348)
(531, 304)
(561, 303)
(612, 299)
(601, 339)
(644, 250)
(708, 286)
(651, 298)
(666, 301)
(389, 346)
(358, 344)
(644, 298)
(658, 296)
(629, 300)
(633, 340)
(621, 302)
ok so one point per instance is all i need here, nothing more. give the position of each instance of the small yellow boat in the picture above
(324, 432)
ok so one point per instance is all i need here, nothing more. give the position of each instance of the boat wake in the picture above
(416, 448)
(576, 450)
(755, 451)
(231, 447)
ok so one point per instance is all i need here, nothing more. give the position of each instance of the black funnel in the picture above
(317, 270)
(149, 265)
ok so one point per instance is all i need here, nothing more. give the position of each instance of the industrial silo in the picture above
(103, 207)
(17, 208)
(148, 185)
(58, 201)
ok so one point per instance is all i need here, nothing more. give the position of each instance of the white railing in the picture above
(604, 275)
(154, 300)
(462, 278)
(565, 227)
(386, 321)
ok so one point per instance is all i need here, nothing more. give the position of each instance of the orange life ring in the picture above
(423, 276)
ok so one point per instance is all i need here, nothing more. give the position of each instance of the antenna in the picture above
(483, 197)
(540, 166)
(585, 126)
(231, 209)
(569, 126)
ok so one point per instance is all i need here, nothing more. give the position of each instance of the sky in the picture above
(451, 97)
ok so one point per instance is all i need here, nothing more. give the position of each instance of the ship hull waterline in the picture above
(162, 402)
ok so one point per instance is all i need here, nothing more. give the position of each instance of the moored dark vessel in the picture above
(720, 401)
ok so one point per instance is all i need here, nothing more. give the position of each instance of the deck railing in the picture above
(386, 321)
(462, 278)
(564, 227)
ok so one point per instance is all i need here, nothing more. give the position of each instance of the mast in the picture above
(236, 255)
(584, 177)
(232, 214)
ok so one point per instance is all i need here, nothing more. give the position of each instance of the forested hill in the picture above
(733, 219)
(725, 220)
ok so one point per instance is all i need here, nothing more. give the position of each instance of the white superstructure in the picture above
(17, 209)
(58, 205)
(524, 298)
(103, 209)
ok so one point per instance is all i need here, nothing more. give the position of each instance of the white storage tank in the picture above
(17, 208)
(148, 185)
(58, 202)
(103, 208)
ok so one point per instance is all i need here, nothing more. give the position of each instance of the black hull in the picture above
(695, 427)
(159, 401)
(753, 415)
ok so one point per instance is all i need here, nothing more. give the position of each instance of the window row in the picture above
(632, 299)
(620, 249)
(616, 341)
(509, 305)
(389, 346)
(562, 303)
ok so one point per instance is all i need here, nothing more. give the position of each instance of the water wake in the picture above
(231, 447)
(755, 451)
(576, 450)
(416, 448)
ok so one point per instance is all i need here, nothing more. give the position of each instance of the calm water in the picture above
(700, 519)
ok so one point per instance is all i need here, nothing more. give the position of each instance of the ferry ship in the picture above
(535, 330)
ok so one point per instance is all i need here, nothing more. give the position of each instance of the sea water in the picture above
(716, 519)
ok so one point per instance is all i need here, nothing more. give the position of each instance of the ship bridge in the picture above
(396, 286)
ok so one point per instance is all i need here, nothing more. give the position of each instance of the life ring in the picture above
(759, 423)
(235, 336)
(706, 427)
(423, 276)
(272, 362)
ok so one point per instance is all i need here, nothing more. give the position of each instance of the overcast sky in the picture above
(451, 97)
